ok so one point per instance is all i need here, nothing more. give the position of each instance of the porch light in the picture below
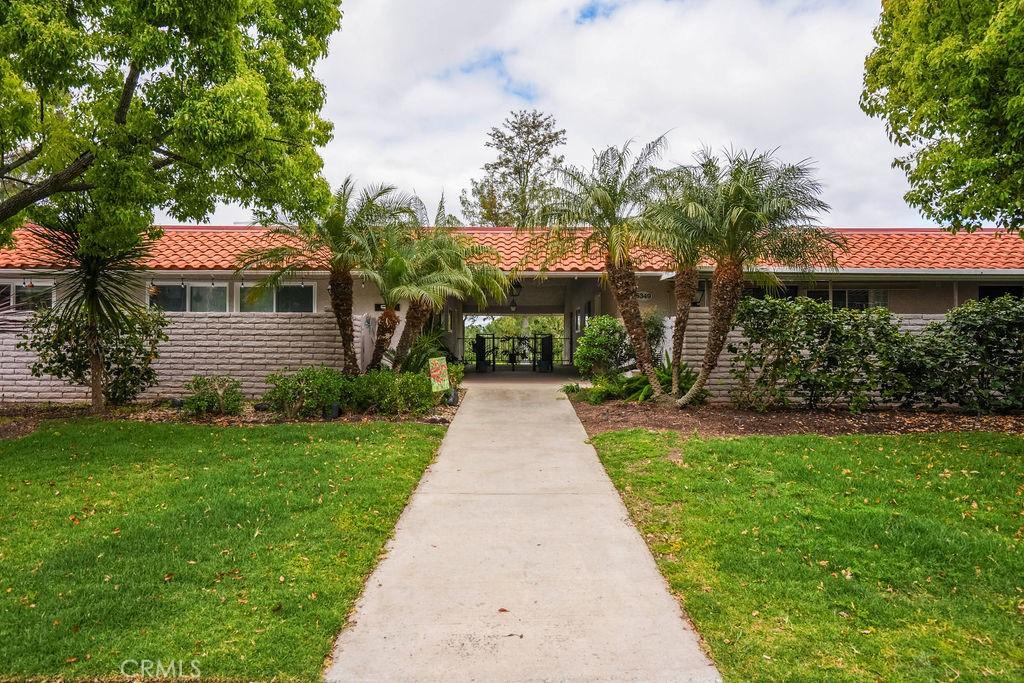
(517, 288)
(512, 306)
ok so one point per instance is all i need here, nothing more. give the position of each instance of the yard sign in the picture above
(439, 374)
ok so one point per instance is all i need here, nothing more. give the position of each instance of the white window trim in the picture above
(189, 284)
(21, 282)
(237, 308)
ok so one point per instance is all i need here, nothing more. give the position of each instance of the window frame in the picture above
(12, 295)
(237, 308)
(831, 292)
(189, 284)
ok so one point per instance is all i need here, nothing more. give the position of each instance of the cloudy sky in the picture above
(413, 86)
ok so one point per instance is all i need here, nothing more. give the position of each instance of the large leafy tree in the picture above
(519, 181)
(99, 289)
(601, 210)
(948, 80)
(352, 235)
(749, 208)
(176, 105)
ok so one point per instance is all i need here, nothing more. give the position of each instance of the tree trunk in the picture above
(95, 370)
(386, 324)
(726, 292)
(685, 289)
(340, 286)
(625, 291)
(415, 319)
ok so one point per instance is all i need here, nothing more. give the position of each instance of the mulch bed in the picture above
(19, 419)
(720, 420)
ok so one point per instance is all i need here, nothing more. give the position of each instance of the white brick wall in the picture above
(247, 346)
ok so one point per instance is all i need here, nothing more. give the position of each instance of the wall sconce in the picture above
(512, 306)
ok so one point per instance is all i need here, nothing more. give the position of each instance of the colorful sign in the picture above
(439, 374)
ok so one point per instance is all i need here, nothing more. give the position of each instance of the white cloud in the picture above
(414, 85)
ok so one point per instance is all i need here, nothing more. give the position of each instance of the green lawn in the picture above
(851, 558)
(241, 548)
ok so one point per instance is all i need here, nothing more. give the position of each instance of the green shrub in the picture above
(388, 393)
(307, 393)
(806, 351)
(417, 393)
(654, 328)
(321, 388)
(603, 349)
(313, 391)
(456, 374)
(128, 352)
(285, 394)
(213, 395)
(973, 359)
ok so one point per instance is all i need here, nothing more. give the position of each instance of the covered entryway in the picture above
(535, 329)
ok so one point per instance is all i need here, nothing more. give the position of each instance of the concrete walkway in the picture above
(516, 561)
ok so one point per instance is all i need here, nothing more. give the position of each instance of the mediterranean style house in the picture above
(216, 328)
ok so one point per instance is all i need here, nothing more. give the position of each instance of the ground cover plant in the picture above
(240, 548)
(844, 558)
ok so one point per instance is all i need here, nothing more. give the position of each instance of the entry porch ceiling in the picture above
(537, 297)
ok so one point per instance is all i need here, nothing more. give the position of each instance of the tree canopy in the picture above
(518, 183)
(948, 79)
(172, 105)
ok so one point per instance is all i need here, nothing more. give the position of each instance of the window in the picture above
(25, 296)
(996, 291)
(208, 298)
(857, 299)
(172, 298)
(700, 297)
(786, 292)
(194, 298)
(252, 300)
(295, 299)
(284, 299)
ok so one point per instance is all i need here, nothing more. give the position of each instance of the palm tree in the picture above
(470, 266)
(601, 210)
(99, 281)
(667, 228)
(467, 267)
(751, 209)
(346, 240)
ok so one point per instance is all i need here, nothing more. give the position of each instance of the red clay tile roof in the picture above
(891, 249)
